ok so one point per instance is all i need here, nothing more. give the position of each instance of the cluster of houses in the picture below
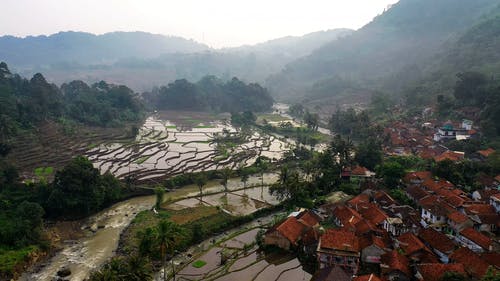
(373, 237)
(428, 141)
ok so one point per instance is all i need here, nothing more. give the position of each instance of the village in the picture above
(441, 232)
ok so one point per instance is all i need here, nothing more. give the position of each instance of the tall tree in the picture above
(167, 234)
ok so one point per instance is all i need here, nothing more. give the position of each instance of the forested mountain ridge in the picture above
(86, 48)
(400, 38)
(143, 60)
(25, 103)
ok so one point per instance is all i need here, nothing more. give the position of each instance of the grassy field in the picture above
(271, 118)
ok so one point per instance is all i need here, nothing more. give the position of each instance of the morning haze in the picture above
(353, 140)
(218, 23)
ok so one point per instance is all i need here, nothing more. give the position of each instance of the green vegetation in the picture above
(25, 103)
(142, 159)
(210, 94)
(199, 264)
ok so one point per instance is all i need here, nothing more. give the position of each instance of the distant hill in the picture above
(142, 60)
(390, 48)
(86, 48)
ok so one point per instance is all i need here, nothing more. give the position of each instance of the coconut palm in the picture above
(225, 175)
(167, 234)
(201, 180)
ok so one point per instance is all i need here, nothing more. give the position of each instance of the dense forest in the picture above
(211, 94)
(397, 48)
(24, 103)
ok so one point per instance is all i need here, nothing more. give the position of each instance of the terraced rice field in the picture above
(243, 263)
(164, 149)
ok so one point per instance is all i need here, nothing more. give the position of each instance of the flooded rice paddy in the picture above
(166, 147)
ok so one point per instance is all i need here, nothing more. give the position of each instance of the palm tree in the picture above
(159, 192)
(167, 233)
(201, 180)
(139, 269)
(225, 175)
(244, 177)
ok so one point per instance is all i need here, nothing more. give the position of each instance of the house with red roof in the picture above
(484, 216)
(343, 215)
(302, 227)
(372, 213)
(395, 266)
(415, 192)
(486, 152)
(287, 234)
(457, 222)
(440, 244)
(475, 240)
(413, 248)
(475, 266)
(436, 271)
(338, 247)
(434, 212)
(359, 201)
(453, 156)
(417, 177)
(372, 247)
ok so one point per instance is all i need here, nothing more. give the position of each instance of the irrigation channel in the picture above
(103, 229)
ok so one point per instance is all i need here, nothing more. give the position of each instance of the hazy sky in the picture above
(218, 23)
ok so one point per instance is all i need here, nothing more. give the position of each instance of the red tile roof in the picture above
(410, 243)
(338, 239)
(346, 215)
(435, 185)
(477, 237)
(457, 217)
(416, 192)
(369, 277)
(475, 266)
(492, 258)
(309, 218)
(365, 226)
(291, 229)
(437, 240)
(435, 271)
(383, 198)
(450, 155)
(417, 176)
(361, 199)
(486, 152)
(480, 209)
(360, 171)
(372, 213)
(369, 240)
(396, 261)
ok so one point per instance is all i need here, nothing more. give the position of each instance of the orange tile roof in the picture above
(477, 237)
(291, 229)
(435, 271)
(476, 267)
(436, 185)
(486, 152)
(369, 277)
(338, 239)
(396, 261)
(437, 240)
